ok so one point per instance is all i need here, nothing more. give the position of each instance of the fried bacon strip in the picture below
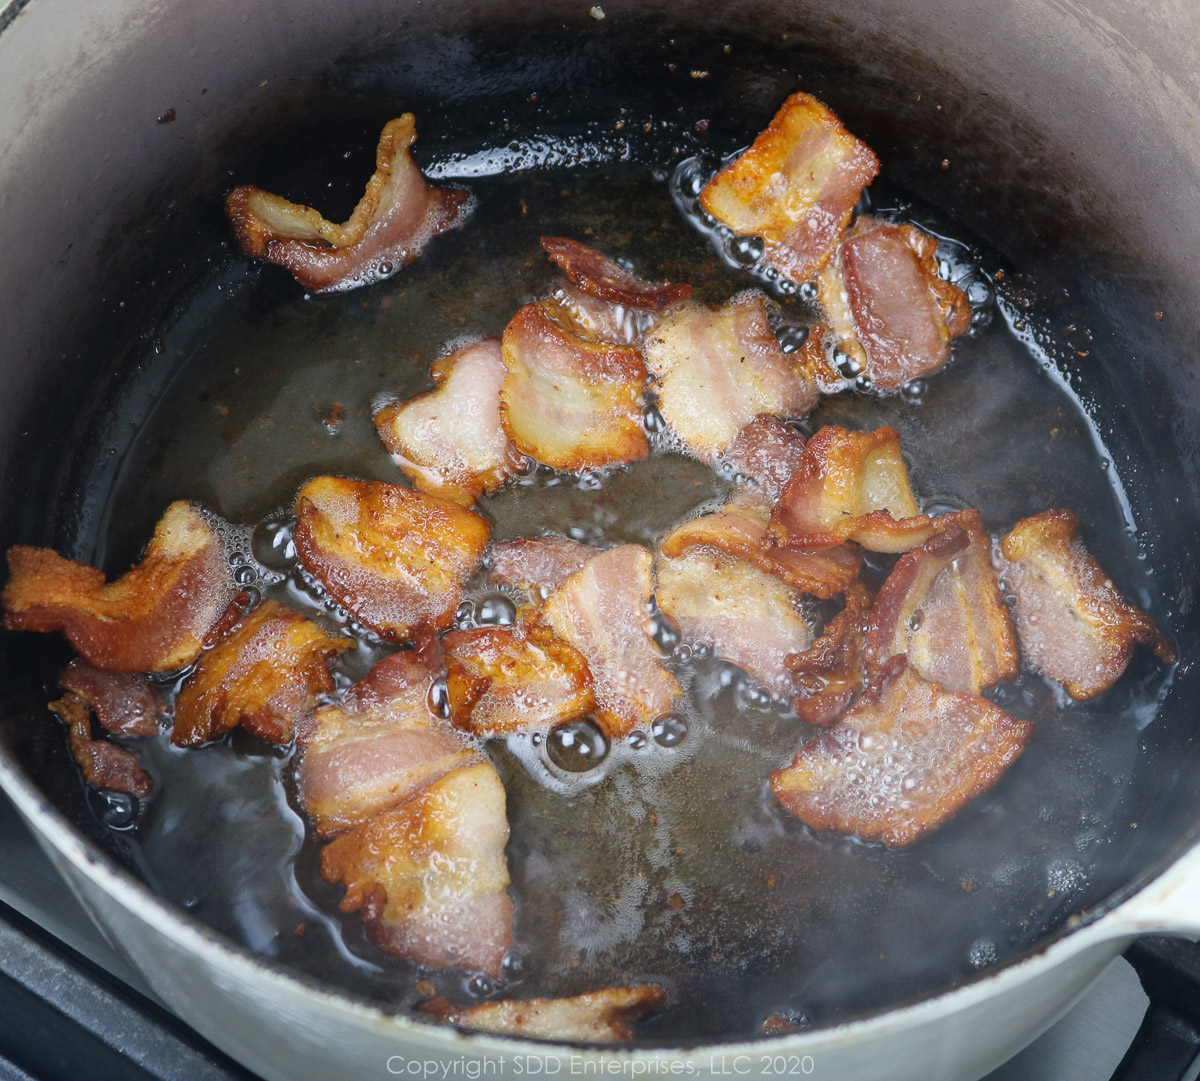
(502, 680)
(567, 401)
(605, 1016)
(748, 616)
(886, 304)
(265, 676)
(449, 441)
(105, 765)
(381, 745)
(905, 759)
(1074, 625)
(795, 187)
(767, 452)
(717, 369)
(540, 565)
(429, 875)
(603, 610)
(833, 673)
(395, 559)
(850, 486)
(575, 312)
(397, 216)
(153, 618)
(125, 703)
(601, 278)
(941, 605)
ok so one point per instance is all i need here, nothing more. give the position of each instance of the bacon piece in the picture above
(887, 305)
(104, 765)
(538, 566)
(718, 369)
(941, 605)
(795, 187)
(741, 529)
(1074, 625)
(395, 559)
(766, 451)
(603, 610)
(449, 441)
(264, 676)
(603, 279)
(572, 310)
(125, 703)
(502, 680)
(152, 619)
(850, 486)
(749, 617)
(567, 401)
(397, 216)
(902, 762)
(833, 673)
(605, 1016)
(429, 875)
(381, 745)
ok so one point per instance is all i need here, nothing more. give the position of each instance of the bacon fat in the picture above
(538, 565)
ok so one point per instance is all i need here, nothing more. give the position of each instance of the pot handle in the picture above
(1168, 905)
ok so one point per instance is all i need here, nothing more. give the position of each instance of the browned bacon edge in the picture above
(831, 675)
(104, 765)
(601, 278)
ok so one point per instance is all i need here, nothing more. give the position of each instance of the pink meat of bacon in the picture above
(902, 762)
(104, 765)
(603, 610)
(796, 187)
(850, 486)
(449, 441)
(397, 216)
(567, 401)
(941, 606)
(886, 304)
(601, 278)
(717, 370)
(429, 875)
(125, 703)
(538, 565)
(767, 452)
(1074, 625)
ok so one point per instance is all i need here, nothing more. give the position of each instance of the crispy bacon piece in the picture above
(577, 313)
(748, 616)
(603, 610)
(397, 216)
(605, 1016)
(941, 605)
(850, 486)
(395, 559)
(381, 745)
(153, 618)
(502, 680)
(538, 566)
(718, 369)
(795, 187)
(449, 441)
(568, 401)
(104, 764)
(902, 762)
(883, 297)
(265, 676)
(740, 528)
(603, 279)
(766, 451)
(833, 673)
(125, 703)
(1073, 623)
(429, 875)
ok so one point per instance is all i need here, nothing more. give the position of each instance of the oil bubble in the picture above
(577, 746)
(496, 610)
(272, 544)
(116, 810)
(669, 731)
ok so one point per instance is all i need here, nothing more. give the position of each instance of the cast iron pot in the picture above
(1072, 131)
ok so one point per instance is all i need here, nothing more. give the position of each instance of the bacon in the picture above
(795, 187)
(125, 704)
(740, 528)
(381, 745)
(850, 486)
(767, 452)
(749, 617)
(264, 676)
(717, 369)
(429, 875)
(1074, 625)
(104, 765)
(502, 680)
(603, 610)
(153, 618)
(538, 566)
(395, 559)
(941, 606)
(833, 673)
(605, 1016)
(601, 278)
(902, 762)
(449, 441)
(887, 305)
(567, 401)
(572, 310)
(397, 216)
